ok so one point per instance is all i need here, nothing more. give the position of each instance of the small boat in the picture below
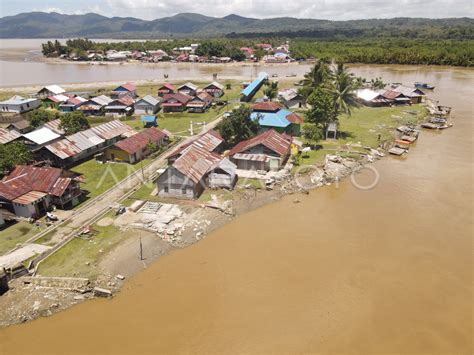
(424, 86)
(274, 75)
(402, 144)
(291, 75)
(410, 139)
(429, 125)
(397, 151)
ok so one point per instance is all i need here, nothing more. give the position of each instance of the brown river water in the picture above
(379, 271)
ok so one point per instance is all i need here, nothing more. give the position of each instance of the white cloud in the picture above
(54, 9)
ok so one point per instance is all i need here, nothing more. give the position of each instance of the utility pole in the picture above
(141, 249)
(191, 128)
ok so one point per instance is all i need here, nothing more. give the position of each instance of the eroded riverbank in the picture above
(343, 271)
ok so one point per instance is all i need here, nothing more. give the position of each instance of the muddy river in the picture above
(347, 270)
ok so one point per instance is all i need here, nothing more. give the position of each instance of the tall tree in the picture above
(319, 74)
(342, 91)
(238, 127)
(41, 116)
(321, 110)
(12, 154)
(271, 90)
(73, 122)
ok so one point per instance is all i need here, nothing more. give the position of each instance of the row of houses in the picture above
(201, 163)
(392, 95)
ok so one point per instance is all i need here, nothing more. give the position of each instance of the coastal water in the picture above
(385, 270)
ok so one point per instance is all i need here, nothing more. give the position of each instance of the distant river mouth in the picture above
(346, 271)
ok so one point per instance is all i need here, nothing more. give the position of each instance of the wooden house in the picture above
(49, 90)
(211, 141)
(175, 102)
(188, 89)
(166, 89)
(223, 175)
(9, 136)
(122, 106)
(416, 95)
(291, 99)
(95, 106)
(127, 89)
(186, 178)
(147, 105)
(30, 191)
(200, 103)
(71, 104)
(214, 89)
(370, 97)
(271, 116)
(268, 151)
(22, 126)
(135, 148)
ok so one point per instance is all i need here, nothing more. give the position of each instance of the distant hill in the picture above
(186, 25)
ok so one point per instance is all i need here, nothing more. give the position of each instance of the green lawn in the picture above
(179, 122)
(15, 234)
(72, 259)
(363, 127)
(101, 177)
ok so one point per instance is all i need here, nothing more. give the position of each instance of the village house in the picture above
(291, 99)
(82, 145)
(250, 90)
(186, 178)
(55, 126)
(147, 105)
(416, 95)
(223, 175)
(175, 102)
(268, 151)
(30, 191)
(370, 97)
(135, 148)
(55, 101)
(396, 97)
(19, 104)
(188, 89)
(50, 90)
(38, 138)
(200, 103)
(211, 141)
(95, 106)
(248, 52)
(7, 136)
(71, 104)
(271, 116)
(21, 126)
(122, 106)
(166, 89)
(128, 89)
(214, 89)
(265, 46)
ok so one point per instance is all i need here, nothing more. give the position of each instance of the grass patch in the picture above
(72, 259)
(254, 183)
(15, 234)
(46, 239)
(179, 122)
(101, 177)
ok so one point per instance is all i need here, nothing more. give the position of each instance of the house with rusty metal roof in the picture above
(200, 103)
(214, 89)
(188, 89)
(82, 145)
(50, 90)
(175, 102)
(186, 178)
(166, 89)
(122, 106)
(268, 151)
(7, 136)
(95, 106)
(30, 191)
(211, 141)
(135, 148)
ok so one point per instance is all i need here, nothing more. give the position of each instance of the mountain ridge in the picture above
(187, 25)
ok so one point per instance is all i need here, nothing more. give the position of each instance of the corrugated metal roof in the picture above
(215, 84)
(195, 163)
(188, 85)
(272, 119)
(254, 84)
(127, 86)
(54, 126)
(42, 135)
(7, 136)
(63, 149)
(139, 141)
(101, 100)
(149, 100)
(266, 106)
(27, 178)
(17, 100)
(251, 157)
(85, 139)
(271, 139)
(166, 87)
(55, 89)
(29, 197)
(367, 94)
(181, 98)
(112, 130)
(409, 92)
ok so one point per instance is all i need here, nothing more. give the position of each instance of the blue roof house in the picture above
(247, 93)
(282, 121)
(149, 121)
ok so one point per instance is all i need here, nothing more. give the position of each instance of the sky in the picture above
(319, 9)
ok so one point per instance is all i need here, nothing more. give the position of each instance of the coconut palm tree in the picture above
(342, 90)
(319, 74)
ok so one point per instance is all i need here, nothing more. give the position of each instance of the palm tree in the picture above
(319, 74)
(343, 93)
(272, 90)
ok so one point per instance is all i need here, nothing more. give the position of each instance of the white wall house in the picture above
(18, 104)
